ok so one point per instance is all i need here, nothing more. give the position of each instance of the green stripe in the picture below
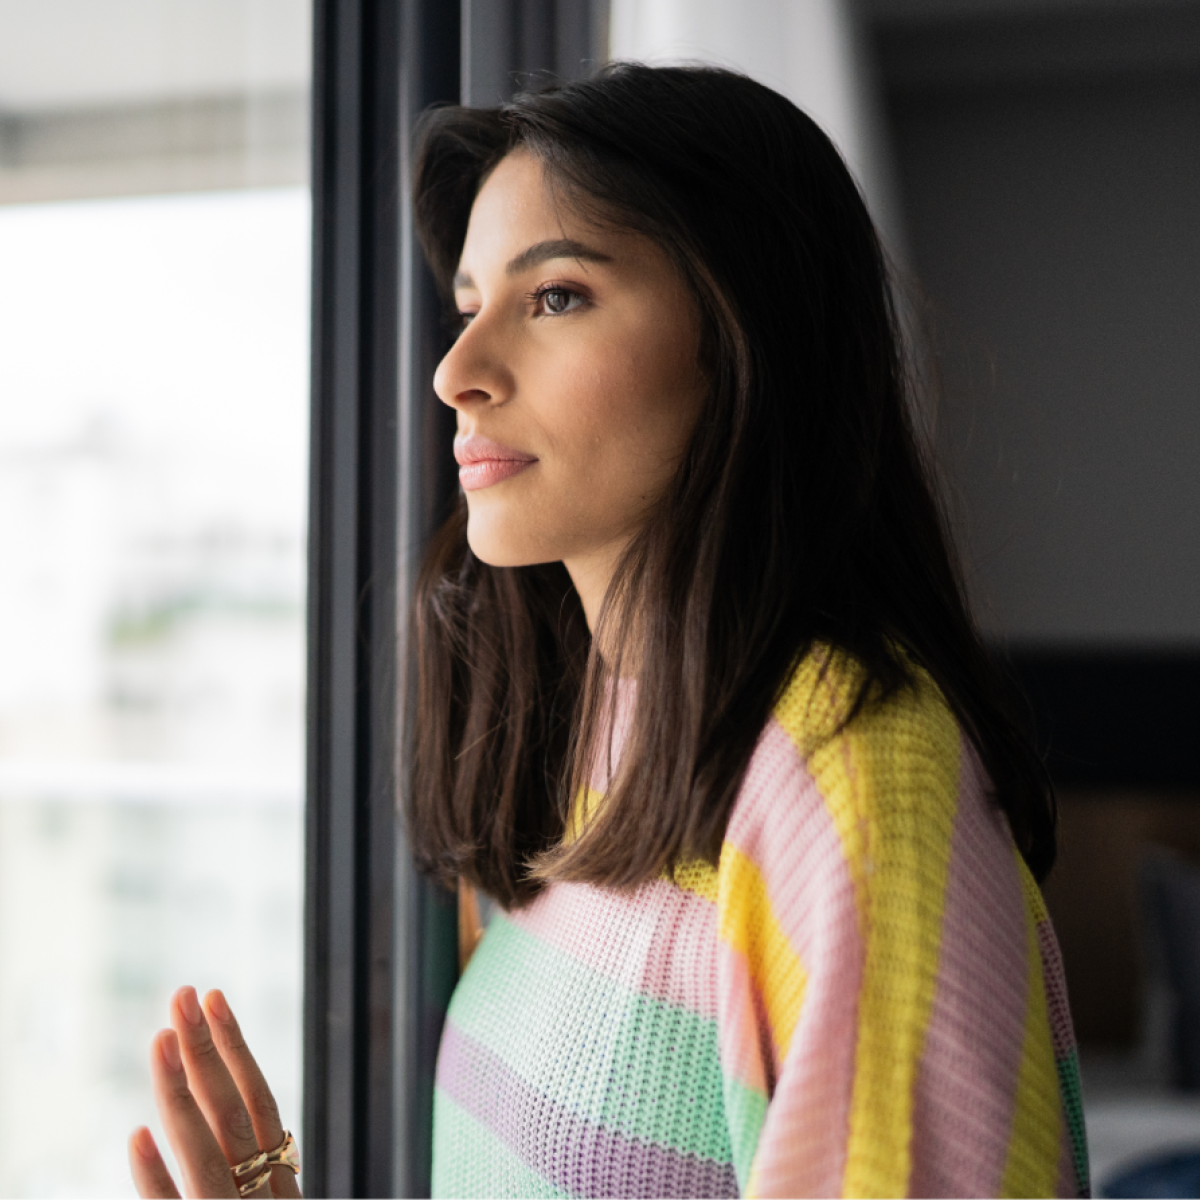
(747, 1109)
(628, 1062)
(470, 1160)
(1072, 1099)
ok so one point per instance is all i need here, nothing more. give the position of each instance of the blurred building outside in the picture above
(154, 295)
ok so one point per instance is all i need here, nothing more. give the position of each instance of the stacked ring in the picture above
(247, 1167)
(252, 1173)
(286, 1154)
(252, 1185)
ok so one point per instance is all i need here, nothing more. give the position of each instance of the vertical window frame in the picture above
(370, 1035)
(380, 942)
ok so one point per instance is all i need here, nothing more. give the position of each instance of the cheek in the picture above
(637, 395)
(658, 396)
(620, 431)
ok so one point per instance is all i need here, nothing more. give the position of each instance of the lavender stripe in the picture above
(1061, 1030)
(575, 1155)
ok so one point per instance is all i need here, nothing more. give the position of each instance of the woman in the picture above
(700, 704)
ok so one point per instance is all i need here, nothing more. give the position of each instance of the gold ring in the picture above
(286, 1154)
(251, 1165)
(252, 1185)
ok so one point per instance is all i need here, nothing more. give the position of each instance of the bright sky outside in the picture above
(160, 344)
(153, 457)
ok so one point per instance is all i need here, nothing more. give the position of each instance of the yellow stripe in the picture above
(890, 784)
(810, 711)
(1034, 900)
(697, 876)
(587, 804)
(1031, 1168)
(748, 924)
(753, 1191)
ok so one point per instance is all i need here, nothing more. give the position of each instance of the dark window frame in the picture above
(380, 943)
(376, 62)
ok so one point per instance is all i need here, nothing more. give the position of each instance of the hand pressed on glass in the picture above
(217, 1110)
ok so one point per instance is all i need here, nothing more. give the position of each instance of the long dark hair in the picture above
(802, 513)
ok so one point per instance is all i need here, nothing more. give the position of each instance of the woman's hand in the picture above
(214, 1103)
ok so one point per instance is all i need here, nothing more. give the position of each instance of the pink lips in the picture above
(482, 462)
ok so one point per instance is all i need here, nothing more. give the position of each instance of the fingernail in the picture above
(143, 1142)
(219, 1006)
(168, 1047)
(190, 1006)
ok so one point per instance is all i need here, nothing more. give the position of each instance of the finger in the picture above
(210, 1081)
(150, 1174)
(264, 1112)
(201, 1161)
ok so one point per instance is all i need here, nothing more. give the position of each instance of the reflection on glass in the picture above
(153, 441)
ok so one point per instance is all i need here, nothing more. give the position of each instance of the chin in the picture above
(492, 546)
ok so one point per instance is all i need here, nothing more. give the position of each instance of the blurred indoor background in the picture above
(1035, 168)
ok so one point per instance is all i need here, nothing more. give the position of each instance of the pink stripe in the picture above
(967, 1081)
(781, 822)
(607, 751)
(659, 940)
(746, 1049)
(1061, 1029)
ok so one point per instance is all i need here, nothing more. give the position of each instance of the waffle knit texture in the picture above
(863, 998)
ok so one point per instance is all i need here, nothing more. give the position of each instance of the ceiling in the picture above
(60, 54)
(904, 11)
(70, 53)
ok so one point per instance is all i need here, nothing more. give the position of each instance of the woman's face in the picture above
(576, 380)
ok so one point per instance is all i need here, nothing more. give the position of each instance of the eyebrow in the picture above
(541, 252)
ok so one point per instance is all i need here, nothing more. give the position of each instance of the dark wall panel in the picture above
(1115, 718)
(1053, 225)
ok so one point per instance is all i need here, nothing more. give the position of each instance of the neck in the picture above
(592, 576)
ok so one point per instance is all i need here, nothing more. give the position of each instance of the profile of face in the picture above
(575, 379)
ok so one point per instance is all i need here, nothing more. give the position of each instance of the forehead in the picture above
(520, 220)
(515, 207)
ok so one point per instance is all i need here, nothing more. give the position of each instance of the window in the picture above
(162, 598)
(154, 302)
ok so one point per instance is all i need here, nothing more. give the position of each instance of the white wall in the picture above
(810, 50)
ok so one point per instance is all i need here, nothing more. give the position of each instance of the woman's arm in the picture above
(215, 1105)
(888, 967)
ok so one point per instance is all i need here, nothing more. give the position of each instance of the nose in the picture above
(473, 372)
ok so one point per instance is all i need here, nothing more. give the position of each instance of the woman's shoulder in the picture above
(820, 711)
(882, 784)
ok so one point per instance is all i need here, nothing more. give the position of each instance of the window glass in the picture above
(154, 262)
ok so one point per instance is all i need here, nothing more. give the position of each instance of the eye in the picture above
(553, 300)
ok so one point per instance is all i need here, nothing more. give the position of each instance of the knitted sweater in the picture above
(863, 998)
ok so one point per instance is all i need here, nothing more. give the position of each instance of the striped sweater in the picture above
(864, 997)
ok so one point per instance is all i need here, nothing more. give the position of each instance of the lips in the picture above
(482, 462)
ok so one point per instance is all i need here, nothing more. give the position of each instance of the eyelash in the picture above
(538, 295)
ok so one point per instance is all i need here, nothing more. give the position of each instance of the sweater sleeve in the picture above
(891, 1011)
